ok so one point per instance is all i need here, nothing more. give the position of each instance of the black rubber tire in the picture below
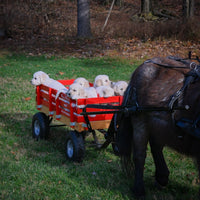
(74, 146)
(40, 126)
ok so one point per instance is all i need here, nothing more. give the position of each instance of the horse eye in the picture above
(106, 80)
(121, 89)
(35, 78)
(74, 90)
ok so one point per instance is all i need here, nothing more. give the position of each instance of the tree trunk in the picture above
(119, 3)
(146, 6)
(83, 19)
(188, 8)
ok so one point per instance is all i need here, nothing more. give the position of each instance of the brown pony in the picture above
(165, 83)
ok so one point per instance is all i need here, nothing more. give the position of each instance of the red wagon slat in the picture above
(68, 110)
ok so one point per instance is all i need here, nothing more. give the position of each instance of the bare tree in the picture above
(146, 6)
(188, 8)
(83, 19)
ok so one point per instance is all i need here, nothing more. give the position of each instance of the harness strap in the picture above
(190, 77)
(179, 93)
(190, 65)
(128, 109)
(166, 66)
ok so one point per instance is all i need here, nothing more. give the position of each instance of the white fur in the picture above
(105, 91)
(120, 87)
(78, 92)
(82, 81)
(102, 80)
(41, 77)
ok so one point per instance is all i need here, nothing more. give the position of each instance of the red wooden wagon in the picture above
(68, 112)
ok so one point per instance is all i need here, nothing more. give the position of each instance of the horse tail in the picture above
(124, 136)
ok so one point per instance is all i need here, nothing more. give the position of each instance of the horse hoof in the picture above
(139, 193)
(158, 185)
(161, 180)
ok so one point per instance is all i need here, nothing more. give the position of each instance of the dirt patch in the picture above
(49, 27)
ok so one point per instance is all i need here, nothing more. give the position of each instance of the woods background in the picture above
(43, 23)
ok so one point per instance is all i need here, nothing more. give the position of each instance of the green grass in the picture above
(32, 169)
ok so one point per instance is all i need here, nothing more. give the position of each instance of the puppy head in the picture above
(108, 91)
(102, 80)
(76, 91)
(39, 78)
(82, 81)
(90, 92)
(120, 88)
(105, 91)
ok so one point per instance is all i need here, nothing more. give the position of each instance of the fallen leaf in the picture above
(61, 73)
(27, 98)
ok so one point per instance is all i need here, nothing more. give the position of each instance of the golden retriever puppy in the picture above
(120, 87)
(102, 80)
(76, 91)
(82, 81)
(41, 77)
(90, 92)
(105, 91)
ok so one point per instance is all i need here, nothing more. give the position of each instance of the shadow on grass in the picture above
(18, 125)
(100, 169)
(95, 168)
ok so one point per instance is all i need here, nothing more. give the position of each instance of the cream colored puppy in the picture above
(102, 80)
(76, 91)
(120, 87)
(105, 91)
(41, 77)
(82, 81)
(90, 92)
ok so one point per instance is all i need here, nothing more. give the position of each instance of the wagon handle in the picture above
(128, 109)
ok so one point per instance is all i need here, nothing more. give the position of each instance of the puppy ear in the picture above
(115, 87)
(86, 84)
(43, 77)
(112, 84)
(98, 82)
(82, 92)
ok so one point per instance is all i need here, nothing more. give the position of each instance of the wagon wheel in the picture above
(40, 126)
(74, 147)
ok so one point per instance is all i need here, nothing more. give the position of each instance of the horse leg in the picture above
(140, 140)
(162, 172)
(198, 166)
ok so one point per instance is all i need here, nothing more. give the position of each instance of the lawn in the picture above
(32, 169)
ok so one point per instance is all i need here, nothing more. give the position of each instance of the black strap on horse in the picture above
(110, 109)
(189, 65)
(164, 65)
(191, 76)
(188, 80)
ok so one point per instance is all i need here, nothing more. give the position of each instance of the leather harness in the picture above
(186, 124)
